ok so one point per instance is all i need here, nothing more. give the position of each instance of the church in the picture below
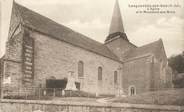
(40, 51)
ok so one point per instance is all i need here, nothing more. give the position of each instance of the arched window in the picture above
(80, 69)
(99, 73)
(115, 77)
(132, 91)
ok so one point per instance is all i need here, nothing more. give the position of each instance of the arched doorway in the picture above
(132, 90)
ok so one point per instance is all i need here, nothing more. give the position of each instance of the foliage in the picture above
(177, 65)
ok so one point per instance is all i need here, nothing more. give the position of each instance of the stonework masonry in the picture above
(57, 58)
(119, 47)
(39, 49)
(58, 62)
(49, 106)
(13, 62)
(137, 73)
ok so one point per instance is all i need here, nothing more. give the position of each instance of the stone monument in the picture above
(71, 82)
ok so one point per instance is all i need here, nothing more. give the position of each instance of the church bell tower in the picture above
(117, 40)
(116, 26)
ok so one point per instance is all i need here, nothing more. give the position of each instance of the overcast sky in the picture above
(92, 18)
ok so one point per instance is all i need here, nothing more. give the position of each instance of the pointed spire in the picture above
(116, 26)
(116, 22)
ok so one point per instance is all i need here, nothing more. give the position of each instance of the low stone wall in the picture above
(53, 106)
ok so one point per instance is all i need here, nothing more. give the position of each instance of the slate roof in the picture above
(116, 22)
(152, 48)
(116, 26)
(47, 26)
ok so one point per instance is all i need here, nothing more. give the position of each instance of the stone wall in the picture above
(53, 106)
(55, 58)
(12, 63)
(137, 74)
(119, 46)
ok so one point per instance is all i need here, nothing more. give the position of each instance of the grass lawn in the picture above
(168, 97)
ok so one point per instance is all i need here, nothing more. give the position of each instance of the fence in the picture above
(164, 96)
(42, 93)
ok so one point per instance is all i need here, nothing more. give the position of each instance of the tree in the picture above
(177, 65)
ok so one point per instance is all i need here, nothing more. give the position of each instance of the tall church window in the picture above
(80, 69)
(115, 77)
(99, 73)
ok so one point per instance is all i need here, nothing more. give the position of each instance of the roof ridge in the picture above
(148, 48)
(154, 42)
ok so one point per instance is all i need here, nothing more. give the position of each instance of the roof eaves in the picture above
(138, 57)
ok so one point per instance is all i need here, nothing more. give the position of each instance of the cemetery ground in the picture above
(165, 97)
(162, 97)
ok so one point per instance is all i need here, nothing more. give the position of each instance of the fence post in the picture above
(39, 93)
(19, 92)
(54, 94)
(26, 93)
(44, 92)
(70, 93)
(1, 92)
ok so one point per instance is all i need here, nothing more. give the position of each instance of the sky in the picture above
(92, 18)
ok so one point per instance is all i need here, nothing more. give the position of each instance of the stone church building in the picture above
(39, 49)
